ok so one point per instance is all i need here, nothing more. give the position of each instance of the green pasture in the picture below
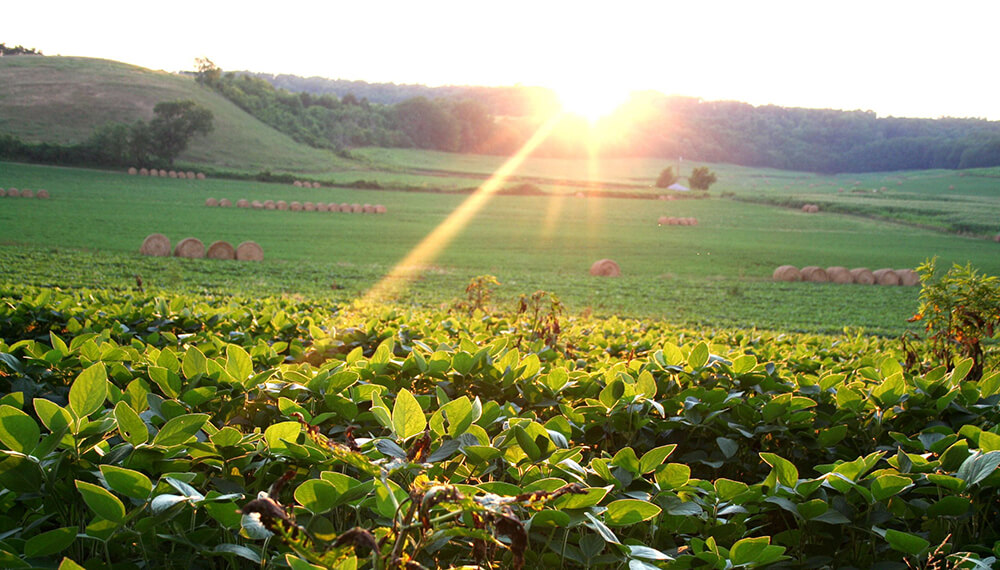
(715, 273)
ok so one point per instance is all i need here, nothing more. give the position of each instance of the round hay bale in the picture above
(243, 203)
(996, 238)
(344, 207)
(787, 273)
(886, 277)
(814, 274)
(863, 276)
(380, 209)
(200, 176)
(662, 221)
(908, 277)
(297, 184)
(144, 171)
(249, 251)
(13, 192)
(295, 206)
(155, 244)
(282, 205)
(309, 207)
(257, 205)
(172, 174)
(154, 172)
(163, 173)
(181, 175)
(269, 205)
(807, 208)
(605, 268)
(368, 209)
(211, 202)
(322, 207)
(815, 209)
(220, 250)
(333, 207)
(225, 203)
(317, 185)
(190, 175)
(132, 171)
(357, 208)
(671, 221)
(694, 221)
(838, 274)
(27, 193)
(190, 248)
(2, 192)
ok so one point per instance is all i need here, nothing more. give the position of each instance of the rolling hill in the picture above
(62, 99)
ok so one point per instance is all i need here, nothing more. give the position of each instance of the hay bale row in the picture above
(159, 245)
(296, 206)
(672, 221)
(306, 184)
(189, 175)
(810, 208)
(25, 193)
(838, 274)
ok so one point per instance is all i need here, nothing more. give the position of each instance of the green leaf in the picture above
(18, 430)
(699, 356)
(49, 543)
(950, 506)
(238, 362)
(748, 550)
(905, 542)
(407, 417)
(130, 425)
(812, 509)
(317, 495)
(180, 429)
(601, 528)
(978, 467)
(550, 519)
(527, 445)
(673, 476)
(624, 512)
(627, 460)
(88, 391)
(888, 485)
(68, 564)
(130, 483)
(276, 435)
(593, 496)
(728, 446)
(194, 363)
(102, 502)
(786, 472)
(655, 457)
(53, 416)
(296, 563)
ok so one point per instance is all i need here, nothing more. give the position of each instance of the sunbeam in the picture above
(407, 270)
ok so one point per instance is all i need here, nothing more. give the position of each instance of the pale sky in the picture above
(904, 58)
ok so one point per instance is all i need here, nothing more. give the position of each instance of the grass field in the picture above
(716, 273)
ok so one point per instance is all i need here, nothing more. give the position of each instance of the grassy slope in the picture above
(717, 272)
(62, 99)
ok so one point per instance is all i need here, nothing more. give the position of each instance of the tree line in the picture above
(500, 119)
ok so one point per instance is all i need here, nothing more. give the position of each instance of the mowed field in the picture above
(716, 273)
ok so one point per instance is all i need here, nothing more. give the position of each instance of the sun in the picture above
(591, 101)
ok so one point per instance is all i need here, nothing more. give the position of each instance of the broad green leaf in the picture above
(166, 379)
(276, 435)
(744, 363)
(180, 429)
(636, 551)
(130, 425)
(961, 370)
(238, 362)
(888, 485)
(673, 476)
(49, 543)
(130, 483)
(18, 430)
(748, 550)
(905, 542)
(194, 363)
(296, 563)
(978, 467)
(627, 460)
(459, 415)
(53, 416)
(68, 564)
(624, 512)
(786, 472)
(655, 457)
(244, 552)
(950, 506)
(601, 528)
(593, 496)
(699, 356)
(317, 495)
(988, 441)
(812, 509)
(407, 417)
(102, 502)
(550, 519)
(727, 489)
(646, 385)
(88, 391)
(728, 446)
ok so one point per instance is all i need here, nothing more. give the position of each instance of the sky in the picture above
(906, 59)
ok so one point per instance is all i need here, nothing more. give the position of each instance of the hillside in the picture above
(62, 99)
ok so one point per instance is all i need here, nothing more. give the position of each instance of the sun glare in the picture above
(591, 102)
